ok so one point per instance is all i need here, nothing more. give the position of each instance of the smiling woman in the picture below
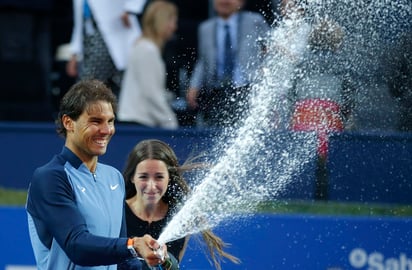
(155, 188)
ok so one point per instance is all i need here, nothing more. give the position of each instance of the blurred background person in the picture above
(144, 98)
(228, 54)
(371, 52)
(322, 87)
(292, 38)
(287, 46)
(322, 92)
(103, 33)
(180, 52)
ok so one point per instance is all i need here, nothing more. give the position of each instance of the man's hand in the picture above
(147, 246)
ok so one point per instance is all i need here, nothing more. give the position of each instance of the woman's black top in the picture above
(137, 227)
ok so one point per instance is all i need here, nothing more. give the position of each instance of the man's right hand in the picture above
(146, 247)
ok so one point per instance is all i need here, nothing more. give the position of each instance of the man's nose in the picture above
(106, 128)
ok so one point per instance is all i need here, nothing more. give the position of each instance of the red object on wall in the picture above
(319, 115)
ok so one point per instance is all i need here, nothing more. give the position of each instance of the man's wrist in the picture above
(130, 247)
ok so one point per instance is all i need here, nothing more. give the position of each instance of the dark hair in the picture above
(78, 99)
(177, 188)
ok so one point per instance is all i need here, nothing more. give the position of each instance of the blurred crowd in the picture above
(35, 48)
(177, 65)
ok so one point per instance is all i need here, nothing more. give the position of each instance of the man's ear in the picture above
(67, 122)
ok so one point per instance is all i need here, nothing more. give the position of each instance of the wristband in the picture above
(130, 247)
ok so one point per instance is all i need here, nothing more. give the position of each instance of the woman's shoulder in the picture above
(143, 45)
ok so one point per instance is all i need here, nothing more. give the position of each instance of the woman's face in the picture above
(170, 27)
(151, 179)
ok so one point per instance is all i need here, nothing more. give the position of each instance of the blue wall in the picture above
(281, 242)
(360, 167)
(370, 168)
(25, 146)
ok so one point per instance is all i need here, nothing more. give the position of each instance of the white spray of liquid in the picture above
(256, 160)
